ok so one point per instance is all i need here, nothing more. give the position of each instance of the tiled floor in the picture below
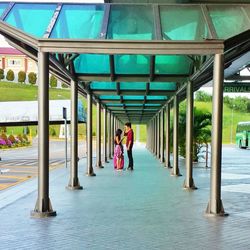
(144, 209)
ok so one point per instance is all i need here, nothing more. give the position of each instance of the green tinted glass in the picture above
(162, 86)
(152, 105)
(131, 22)
(228, 20)
(109, 97)
(91, 63)
(132, 64)
(31, 18)
(133, 97)
(183, 23)
(133, 85)
(156, 98)
(172, 65)
(103, 85)
(114, 104)
(79, 21)
(3, 6)
(134, 105)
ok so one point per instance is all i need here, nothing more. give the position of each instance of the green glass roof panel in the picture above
(133, 105)
(160, 98)
(132, 64)
(31, 18)
(103, 85)
(77, 21)
(92, 63)
(3, 6)
(131, 22)
(114, 104)
(133, 97)
(183, 23)
(133, 86)
(228, 20)
(152, 105)
(109, 97)
(162, 86)
(172, 64)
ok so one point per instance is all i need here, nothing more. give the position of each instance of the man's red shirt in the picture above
(130, 138)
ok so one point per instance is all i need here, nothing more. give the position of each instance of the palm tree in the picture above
(201, 131)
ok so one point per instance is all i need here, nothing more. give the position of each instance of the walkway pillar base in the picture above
(75, 185)
(219, 209)
(100, 166)
(175, 172)
(91, 174)
(190, 185)
(43, 214)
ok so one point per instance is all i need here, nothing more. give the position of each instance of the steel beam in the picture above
(189, 182)
(74, 183)
(175, 171)
(43, 206)
(131, 47)
(112, 135)
(90, 170)
(98, 136)
(215, 206)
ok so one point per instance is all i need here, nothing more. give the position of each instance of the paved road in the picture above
(20, 164)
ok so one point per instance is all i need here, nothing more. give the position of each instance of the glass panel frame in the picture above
(23, 16)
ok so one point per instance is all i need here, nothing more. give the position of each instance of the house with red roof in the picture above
(11, 58)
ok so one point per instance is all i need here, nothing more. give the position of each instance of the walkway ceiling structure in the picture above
(132, 58)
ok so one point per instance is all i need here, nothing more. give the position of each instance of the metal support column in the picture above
(109, 135)
(175, 171)
(167, 161)
(98, 136)
(43, 206)
(90, 170)
(158, 135)
(112, 135)
(189, 182)
(215, 206)
(162, 137)
(105, 130)
(74, 181)
(155, 136)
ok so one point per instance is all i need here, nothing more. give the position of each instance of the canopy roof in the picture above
(133, 58)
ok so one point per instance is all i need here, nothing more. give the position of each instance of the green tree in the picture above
(1, 74)
(21, 76)
(32, 78)
(202, 96)
(53, 81)
(201, 131)
(65, 86)
(10, 75)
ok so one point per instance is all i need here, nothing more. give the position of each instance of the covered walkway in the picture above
(144, 209)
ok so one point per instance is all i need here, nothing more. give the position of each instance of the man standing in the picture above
(129, 144)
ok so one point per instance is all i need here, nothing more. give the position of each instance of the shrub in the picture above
(10, 75)
(52, 131)
(65, 86)
(32, 77)
(19, 138)
(12, 139)
(53, 81)
(3, 129)
(25, 138)
(1, 74)
(21, 76)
